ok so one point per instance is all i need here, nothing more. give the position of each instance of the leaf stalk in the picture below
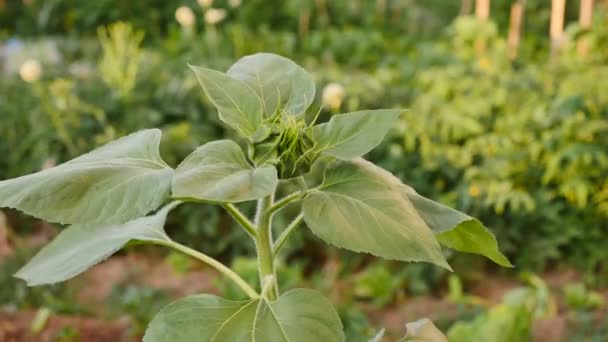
(213, 263)
(249, 227)
(278, 244)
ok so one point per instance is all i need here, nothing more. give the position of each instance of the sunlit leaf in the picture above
(299, 315)
(117, 182)
(457, 230)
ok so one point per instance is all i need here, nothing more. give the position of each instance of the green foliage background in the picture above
(522, 145)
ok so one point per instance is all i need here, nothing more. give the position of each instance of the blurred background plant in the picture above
(516, 135)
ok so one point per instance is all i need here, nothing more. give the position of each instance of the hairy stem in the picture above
(264, 247)
(241, 219)
(278, 244)
(285, 201)
(213, 263)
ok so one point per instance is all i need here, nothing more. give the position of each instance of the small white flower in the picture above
(333, 95)
(185, 16)
(235, 3)
(205, 3)
(30, 71)
(214, 15)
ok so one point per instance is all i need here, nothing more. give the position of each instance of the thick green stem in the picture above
(213, 263)
(264, 247)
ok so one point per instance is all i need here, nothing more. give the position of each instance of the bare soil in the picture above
(96, 286)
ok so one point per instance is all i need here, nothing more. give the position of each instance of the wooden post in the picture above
(482, 12)
(304, 23)
(584, 20)
(557, 23)
(322, 12)
(380, 10)
(465, 7)
(517, 13)
(482, 9)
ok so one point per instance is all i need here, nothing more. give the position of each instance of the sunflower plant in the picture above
(122, 192)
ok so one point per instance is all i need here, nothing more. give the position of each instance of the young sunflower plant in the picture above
(123, 192)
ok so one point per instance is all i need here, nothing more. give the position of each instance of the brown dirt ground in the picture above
(97, 284)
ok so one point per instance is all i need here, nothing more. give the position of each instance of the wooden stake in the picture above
(482, 9)
(584, 20)
(380, 10)
(517, 13)
(466, 6)
(557, 23)
(322, 12)
(304, 23)
(482, 12)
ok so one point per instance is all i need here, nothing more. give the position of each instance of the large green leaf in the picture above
(219, 172)
(457, 230)
(81, 246)
(352, 135)
(299, 315)
(360, 207)
(237, 104)
(279, 82)
(117, 182)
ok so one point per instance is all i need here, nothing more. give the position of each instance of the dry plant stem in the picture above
(241, 219)
(213, 263)
(264, 246)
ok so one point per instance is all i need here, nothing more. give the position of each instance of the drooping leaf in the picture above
(279, 82)
(299, 315)
(219, 172)
(117, 182)
(237, 104)
(351, 135)
(81, 246)
(457, 230)
(360, 207)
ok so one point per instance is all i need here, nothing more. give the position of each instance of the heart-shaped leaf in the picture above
(299, 315)
(237, 104)
(279, 82)
(360, 207)
(117, 182)
(219, 172)
(79, 247)
(457, 230)
(351, 135)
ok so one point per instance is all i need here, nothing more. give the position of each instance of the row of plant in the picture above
(522, 145)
